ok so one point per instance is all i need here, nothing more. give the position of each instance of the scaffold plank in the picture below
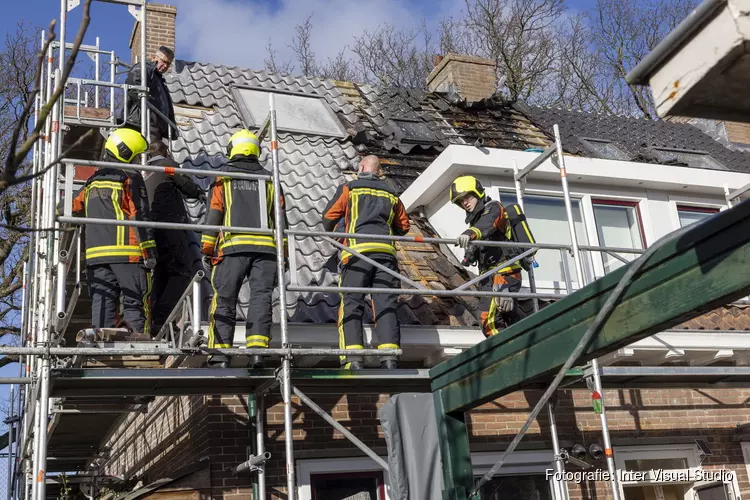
(703, 269)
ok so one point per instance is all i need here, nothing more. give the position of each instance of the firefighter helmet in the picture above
(243, 143)
(464, 185)
(125, 144)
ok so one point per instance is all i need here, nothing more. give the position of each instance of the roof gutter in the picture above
(673, 41)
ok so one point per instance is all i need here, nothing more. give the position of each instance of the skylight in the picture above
(294, 112)
(695, 159)
(605, 149)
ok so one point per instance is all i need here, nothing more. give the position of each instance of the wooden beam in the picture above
(704, 268)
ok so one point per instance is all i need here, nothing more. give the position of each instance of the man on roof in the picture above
(158, 96)
(368, 205)
(236, 256)
(118, 257)
(488, 220)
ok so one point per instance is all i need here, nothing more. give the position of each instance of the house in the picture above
(632, 181)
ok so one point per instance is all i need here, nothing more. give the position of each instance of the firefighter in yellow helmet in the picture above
(488, 220)
(235, 256)
(118, 258)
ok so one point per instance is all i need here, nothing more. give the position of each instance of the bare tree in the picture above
(301, 46)
(390, 56)
(272, 64)
(340, 67)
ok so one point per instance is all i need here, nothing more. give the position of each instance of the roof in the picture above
(673, 42)
(407, 129)
(635, 136)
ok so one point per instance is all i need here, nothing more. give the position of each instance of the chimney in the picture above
(472, 77)
(160, 21)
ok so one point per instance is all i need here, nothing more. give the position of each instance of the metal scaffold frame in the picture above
(46, 311)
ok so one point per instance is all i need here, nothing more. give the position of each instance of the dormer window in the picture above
(694, 159)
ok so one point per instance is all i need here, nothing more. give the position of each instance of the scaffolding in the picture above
(55, 259)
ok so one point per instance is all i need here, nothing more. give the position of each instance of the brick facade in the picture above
(160, 30)
(473, 78)
(176, 431)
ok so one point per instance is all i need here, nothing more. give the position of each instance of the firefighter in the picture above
(234, 256)
(117, 257)
(180, 256)
(368, 205)
(488, 221)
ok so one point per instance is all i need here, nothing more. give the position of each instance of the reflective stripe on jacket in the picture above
(368, 205)
(236, 202)
(116, 195)
(488, 221)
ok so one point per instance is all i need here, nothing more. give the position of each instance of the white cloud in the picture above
(235, 32)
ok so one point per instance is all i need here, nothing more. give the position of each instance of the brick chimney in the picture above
(160, 21)
(472, 77)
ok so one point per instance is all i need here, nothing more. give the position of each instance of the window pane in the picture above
(348, 487)
(688, 217)
(530, 487)
(549, 224)
(617, 226)
(648, 464)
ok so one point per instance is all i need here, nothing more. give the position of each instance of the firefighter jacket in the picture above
(236, 202)
(165, 192)
(158, 96)
(488, 221)
(368, 205)
(116, 195)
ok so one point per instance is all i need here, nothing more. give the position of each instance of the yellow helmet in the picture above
(464, 185)
(125, 144)
(243, 143)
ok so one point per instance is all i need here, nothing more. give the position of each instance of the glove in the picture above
(207, 262)
(463, 240)
(504, 304)
(150, 263)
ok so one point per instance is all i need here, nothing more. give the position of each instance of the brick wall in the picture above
(160, 30)
(219, 427)
(472, 77)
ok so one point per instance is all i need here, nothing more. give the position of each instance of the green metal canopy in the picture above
(706, 267)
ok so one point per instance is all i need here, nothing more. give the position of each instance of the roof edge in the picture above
(673, 41)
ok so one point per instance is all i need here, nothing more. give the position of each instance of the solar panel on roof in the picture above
(294, 112)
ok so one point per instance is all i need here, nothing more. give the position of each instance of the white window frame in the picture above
(536, 462)
(690, 452)
(308, 468)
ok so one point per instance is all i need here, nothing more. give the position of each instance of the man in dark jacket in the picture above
(488, 220)
(116, 255)
(180, 255)
(158, 96)
(368, 205)
(237, 202)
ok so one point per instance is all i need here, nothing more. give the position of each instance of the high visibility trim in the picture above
(208, 239)
(370, 247)
(389, 346)
(147, 305)
(477, 232)
(221, 346)
(147, 244)
(247, 239)
(212, 312)
(340, 321)
(490, 326)
(113, 251)
(169, 170)
(104, 185)
(375, 192)
(256, 341)
(354, 346)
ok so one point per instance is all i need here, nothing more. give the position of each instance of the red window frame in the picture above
(624, 203)
(705, 210)
(365, 474)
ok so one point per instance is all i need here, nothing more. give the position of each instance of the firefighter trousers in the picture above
(226, 280)
(107, 282)
(387, 333)
(493, 320)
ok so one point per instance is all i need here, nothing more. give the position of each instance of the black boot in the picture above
(218, 361)
(389, 364)
(354, 365)
(256, 362)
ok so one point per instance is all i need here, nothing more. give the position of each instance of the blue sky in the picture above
(236, 31)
